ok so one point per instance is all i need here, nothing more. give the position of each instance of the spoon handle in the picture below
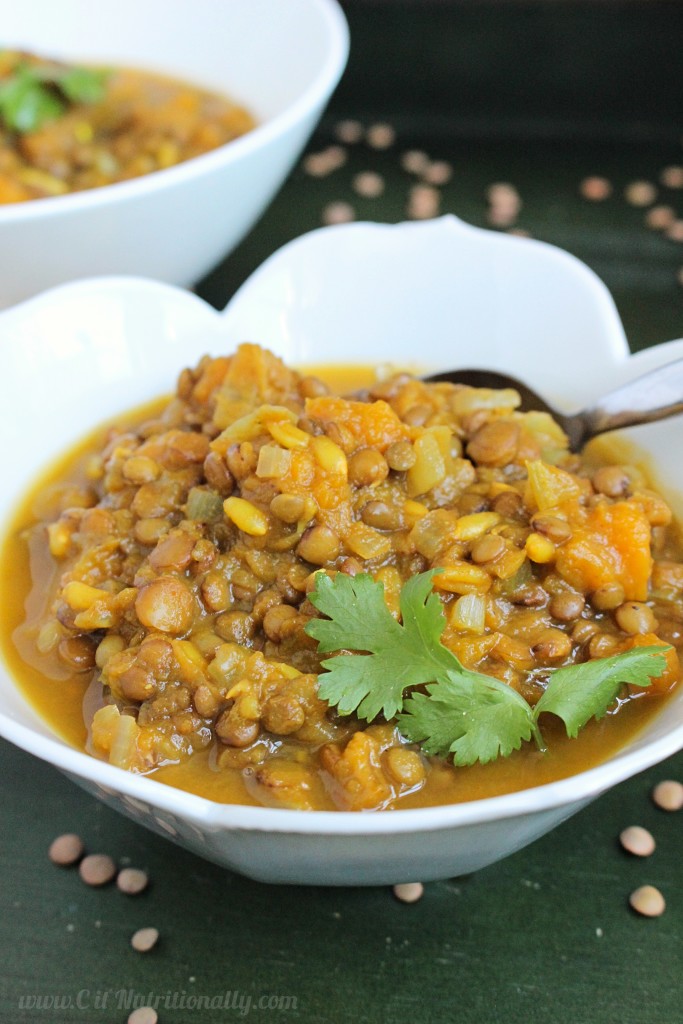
(654, 396)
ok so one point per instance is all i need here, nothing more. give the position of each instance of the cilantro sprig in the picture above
(34, 94)
(458, 712)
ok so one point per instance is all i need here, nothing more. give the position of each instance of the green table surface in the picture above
(546, 936)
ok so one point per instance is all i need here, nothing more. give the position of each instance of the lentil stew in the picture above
(64, 129)
(168, 568)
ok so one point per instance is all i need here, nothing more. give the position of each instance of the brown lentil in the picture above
(368, 184)
(637, 840)
(612, 481)
(97, 869)
(668, 795)
(319, 545)
(218, 475)
(338, 212)
(414, 161)
(143, 1015)
(144, 939)
(349, 131)
(494, 444)
(400, 456)
(132, 881)
(423, 202)
(567, 605)
(634, 618)
(659, 218)
(674, 232)
(277, 622)
(608, 597)
(640, 193)
(672, 176)
(78, 653)
(487, 548)
(551, 645)
(409, 892)
(367, 468)
(405, 766)
(380, 136)
(647, 901)
(381, 516)
(165, 604)
(595, 189)
(66, 850)
(439, 172)
(552, 527)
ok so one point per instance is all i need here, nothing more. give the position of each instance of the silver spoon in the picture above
(654, 396)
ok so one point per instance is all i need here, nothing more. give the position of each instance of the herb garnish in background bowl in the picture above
(33, 93)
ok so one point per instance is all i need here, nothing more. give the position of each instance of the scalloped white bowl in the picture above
(280, 58)
(437, 294)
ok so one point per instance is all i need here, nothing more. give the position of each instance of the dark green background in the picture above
(539, 94)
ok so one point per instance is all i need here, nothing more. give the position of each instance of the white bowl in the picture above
(437, 293)
(280, 58)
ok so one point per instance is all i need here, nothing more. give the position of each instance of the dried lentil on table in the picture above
(66, 850)
(144, 939)
(648, 901)
(132, 881)
(637, 840)
(97, 869)
(409, 892)
(143, 1015)
(668, 795)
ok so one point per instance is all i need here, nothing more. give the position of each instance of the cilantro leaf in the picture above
(82, 85)
(399, 655)
(25, 104)
(578, 693)
(471, 716)
(460, 713)
(33, 95)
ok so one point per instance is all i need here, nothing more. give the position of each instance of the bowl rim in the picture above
(264, 133)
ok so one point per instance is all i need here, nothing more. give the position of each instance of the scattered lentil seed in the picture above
(640, 193)
(501, 217)
(595, 188)
(368, 184)
(380, 136)
(675, 231)
(414, 161)
(638, 841)
(132, 881)
(144, 939)
(520, 232)
(97, 869)
(66, 850)
(319, 165)
(672, 177)
(439, 172)
(502, 192)
(349, 131)
(647, 901)
(668, 795)
(144, 1015)
(423, 202)
(338, 213)
(659, 218)
(409, 892)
